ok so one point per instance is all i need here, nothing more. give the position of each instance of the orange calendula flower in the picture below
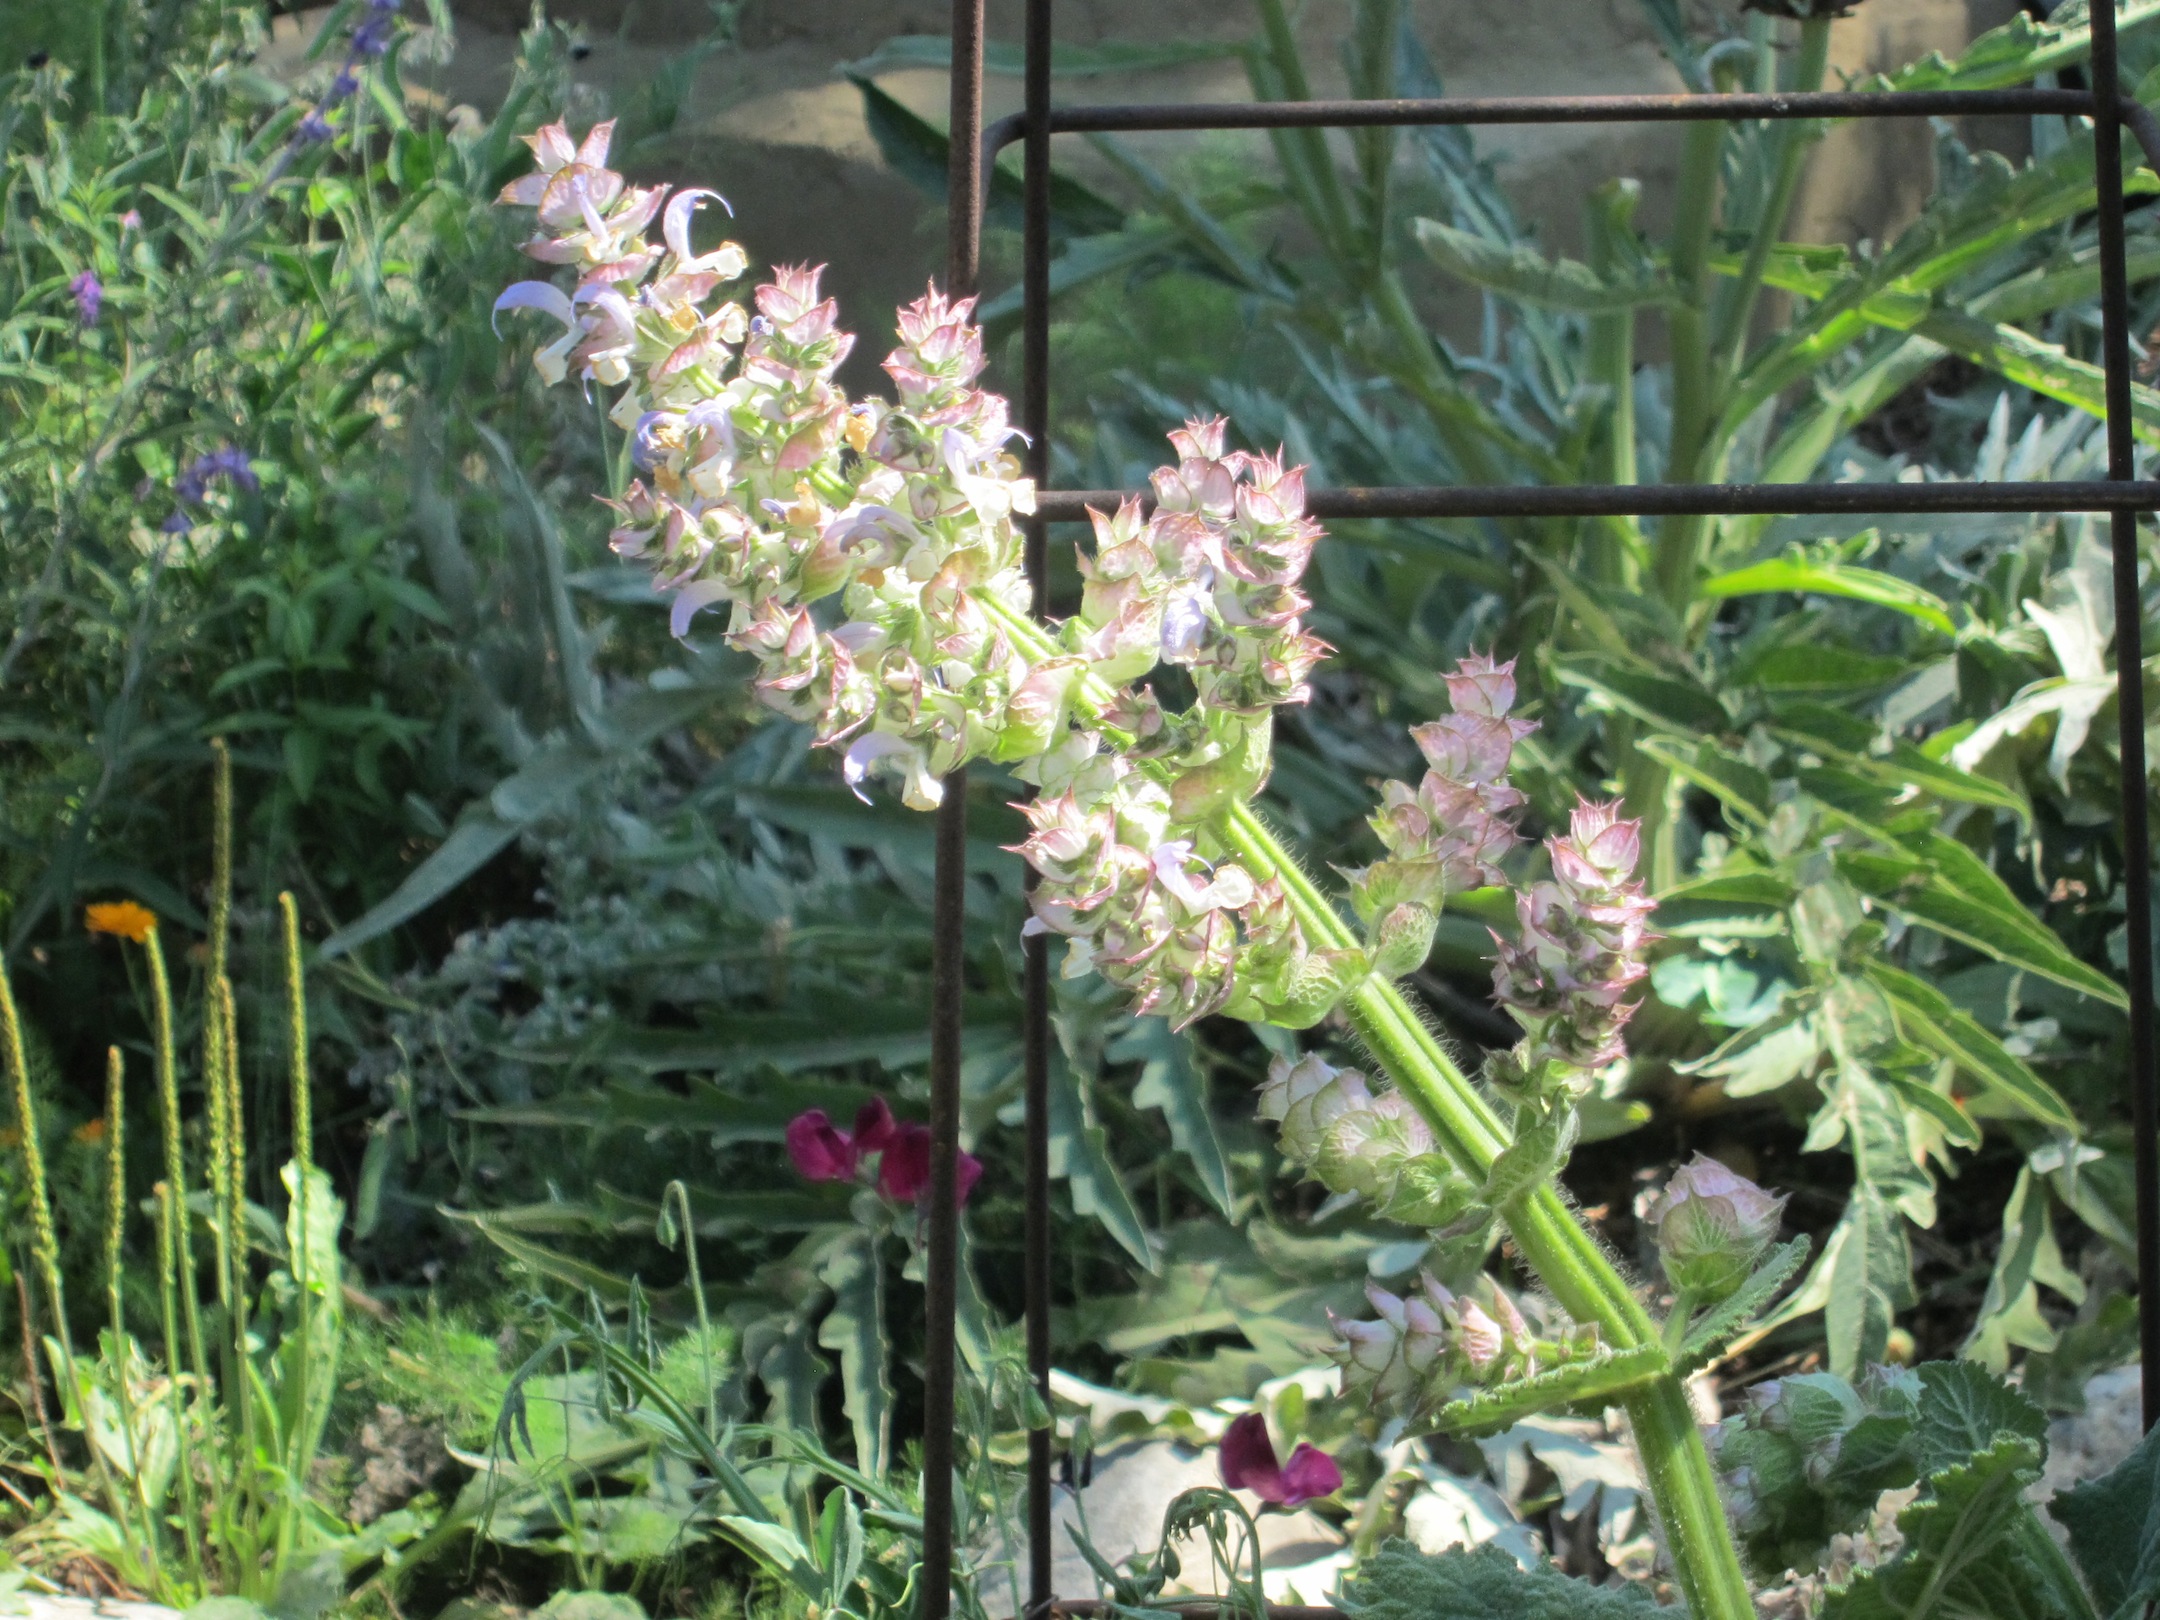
(92, 1130)
(120, 917)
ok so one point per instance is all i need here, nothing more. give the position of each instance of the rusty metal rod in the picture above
(2129, 694)
(1671, 500)
(1035, 951)
(1202, 1609)
(948, 979)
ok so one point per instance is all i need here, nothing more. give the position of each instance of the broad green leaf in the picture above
(917, 149)
(1172, 1082)
(1973, 1549)
(1929, 1019)
(2114, 1525)
(1869, 1265)
(1805, 576)
(312, 1224)
(1771, 1055)
(1400, 1583)
(546, 783)
(854, 1328)
(1890, 761)
(1515, 270)
(2010, 1314)
(1965, 1409)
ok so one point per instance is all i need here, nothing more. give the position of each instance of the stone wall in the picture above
(771, 125)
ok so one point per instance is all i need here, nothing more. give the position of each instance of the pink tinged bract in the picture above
(1248, 1464)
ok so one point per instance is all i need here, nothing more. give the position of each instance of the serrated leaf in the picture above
(1928, 1018)
(1972, 1549)
(1734, 1317)
(1080, 1155)
(1400, 1583)
(1172, 1082)
(1964, 1410)
(854, 1329)
(1603, 1379)
(1993, 922)
(1739, 786)
(1516, 270)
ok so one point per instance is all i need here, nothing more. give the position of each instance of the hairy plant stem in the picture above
(1555, 1245)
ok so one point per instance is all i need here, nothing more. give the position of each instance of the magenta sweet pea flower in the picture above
(1248, 1464)
(821, 1151)
(904, 1172)
(824, 1152)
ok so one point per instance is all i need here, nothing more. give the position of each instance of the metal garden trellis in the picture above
(2121, 495)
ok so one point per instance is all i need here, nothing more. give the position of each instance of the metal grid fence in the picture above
(2122, 496)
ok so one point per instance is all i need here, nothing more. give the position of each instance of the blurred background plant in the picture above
(589, 931)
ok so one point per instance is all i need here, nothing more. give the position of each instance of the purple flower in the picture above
(230, 463)
(340, 87)
(372, 38)
(824, 1152)
(89, 294)
(1248, 1464)
(904, 1172)
(313, 130)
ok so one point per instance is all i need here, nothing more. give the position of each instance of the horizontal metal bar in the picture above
(1673, 500)
(1679, 108)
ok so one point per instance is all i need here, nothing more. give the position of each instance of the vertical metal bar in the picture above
(948, 917)
(1035, 1035)
(2130, 690)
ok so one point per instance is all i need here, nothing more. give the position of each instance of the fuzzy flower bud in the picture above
(1712, 1226)
(1426, 1345)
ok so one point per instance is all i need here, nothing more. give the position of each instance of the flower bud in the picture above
(1712, 1226)
(1403, 940)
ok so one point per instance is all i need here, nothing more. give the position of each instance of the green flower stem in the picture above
(1557, 1246)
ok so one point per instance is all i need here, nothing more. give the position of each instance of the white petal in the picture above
(541, 295)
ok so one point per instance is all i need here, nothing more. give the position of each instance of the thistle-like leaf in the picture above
(1601, 1378)
(1732, 1318)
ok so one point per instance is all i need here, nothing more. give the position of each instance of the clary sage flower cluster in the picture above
(866, 555)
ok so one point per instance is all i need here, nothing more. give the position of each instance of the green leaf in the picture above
(545, 784)
(1869, 1265)
(1665, 701)
(2020, 358)
(1965, 1409)
(917, 149)
(1172, 1082)
(1991, 921)
(1708, 1336)
(1516, 270)
(1080, 1154)
(854, 1328)
(1891, 761)
(2018, 51)
(1973, 1549)
(1742, 789)
(1400, 1583)
(1804, 576)
(2114, 1525)
(1928, 1018)
(1604, 1380)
